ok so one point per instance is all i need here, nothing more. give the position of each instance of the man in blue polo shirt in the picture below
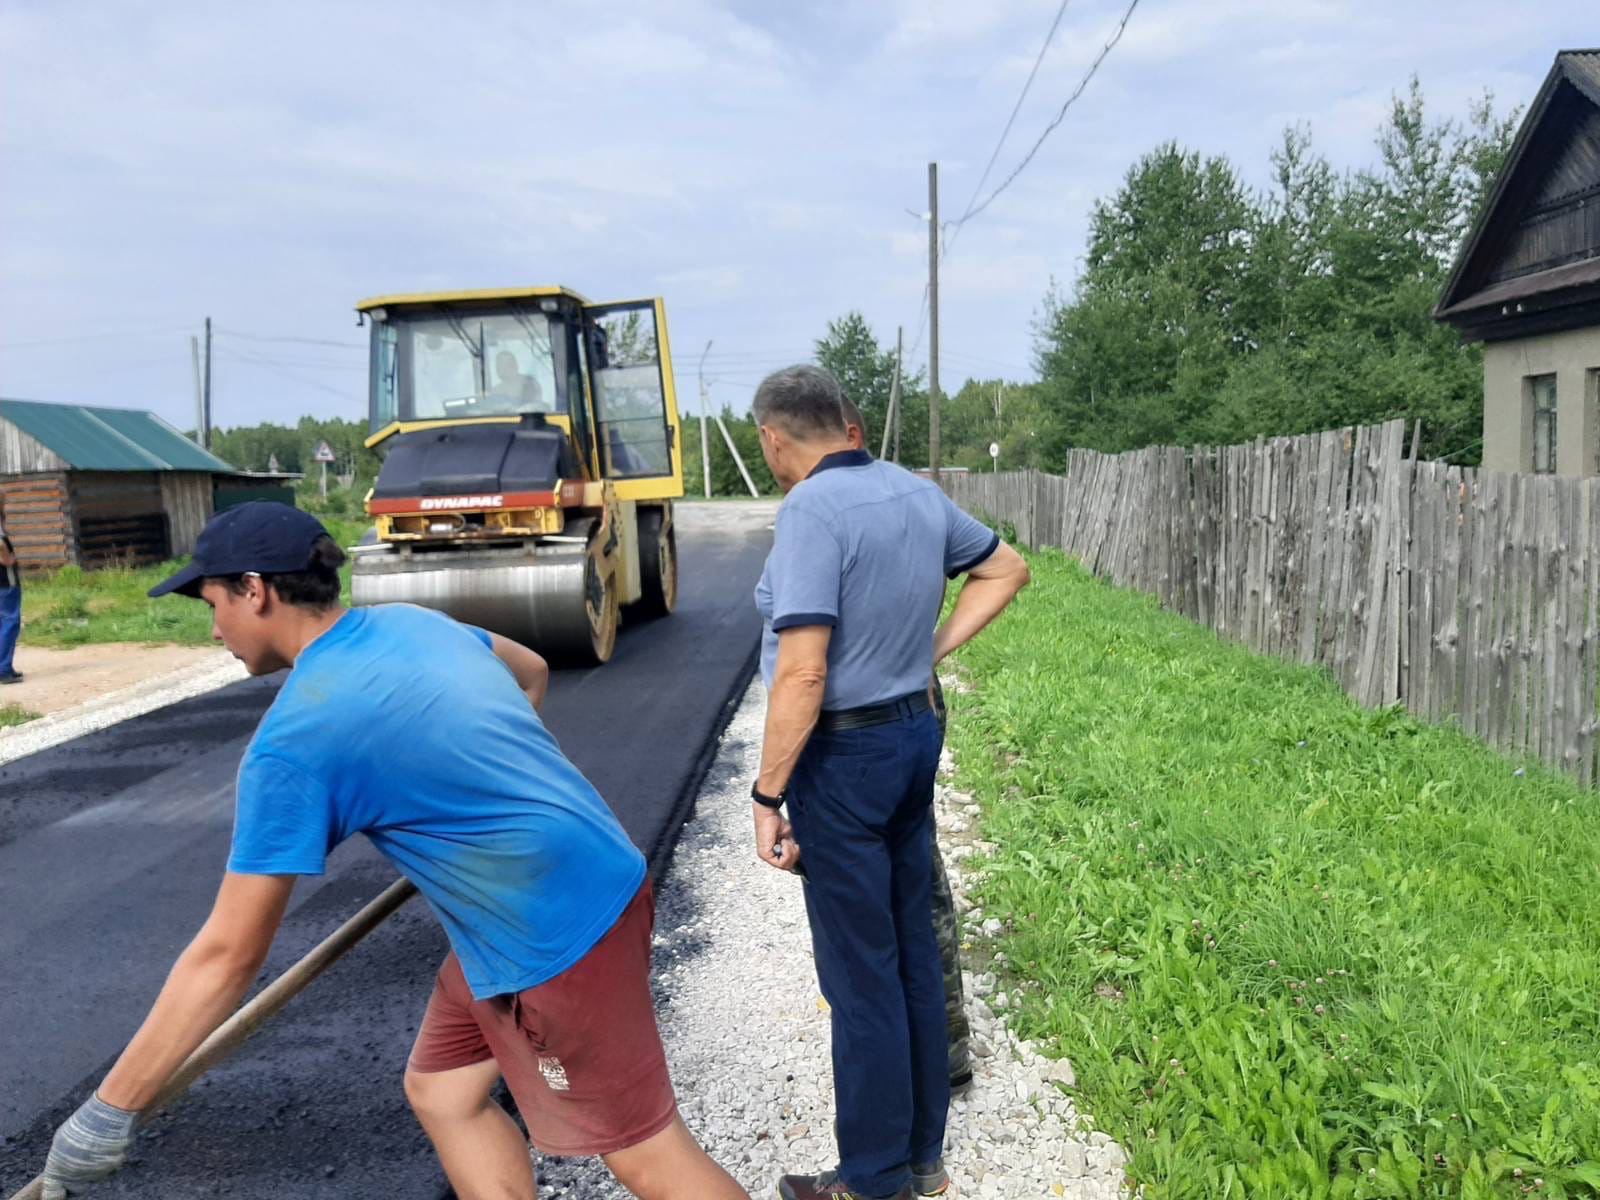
(399, 723)
(850, 598)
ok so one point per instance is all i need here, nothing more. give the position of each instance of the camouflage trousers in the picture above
(947, 928)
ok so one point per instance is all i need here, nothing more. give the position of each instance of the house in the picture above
(93, 486)
(1527, 283)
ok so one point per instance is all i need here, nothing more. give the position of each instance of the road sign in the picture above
(324, 453)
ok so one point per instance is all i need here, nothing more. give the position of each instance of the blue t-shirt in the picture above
(866, 547)
(403, 725)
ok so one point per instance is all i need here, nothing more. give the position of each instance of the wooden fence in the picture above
(1469, 596)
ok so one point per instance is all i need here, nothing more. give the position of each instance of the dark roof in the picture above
(108, 439)
(1540, 218)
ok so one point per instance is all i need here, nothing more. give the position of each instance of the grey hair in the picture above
(806, 402)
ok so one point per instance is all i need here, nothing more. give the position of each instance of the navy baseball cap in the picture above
(260, 536)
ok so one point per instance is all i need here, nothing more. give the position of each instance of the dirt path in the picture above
(56, 680)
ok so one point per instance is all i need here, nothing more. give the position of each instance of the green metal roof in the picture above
(108, 439)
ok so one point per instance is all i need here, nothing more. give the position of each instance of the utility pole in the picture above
(892, 415)
(705, 443)
(205, 413)
(899, 372)
(933, 321)
(199, 396)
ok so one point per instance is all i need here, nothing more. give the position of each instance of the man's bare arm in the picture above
(7, 557)
(990, 586)
(798, 680)
(204, 987)
(527, 667)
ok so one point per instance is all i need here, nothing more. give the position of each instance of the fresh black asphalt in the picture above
(110, 851)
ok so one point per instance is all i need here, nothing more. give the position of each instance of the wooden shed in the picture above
(1527, 283)
(95, 486)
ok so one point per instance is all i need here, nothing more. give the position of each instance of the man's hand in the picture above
(775, 844)
(90, 1145)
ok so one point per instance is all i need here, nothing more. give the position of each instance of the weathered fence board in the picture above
(1468, 596)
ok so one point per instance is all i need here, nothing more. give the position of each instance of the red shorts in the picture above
(580, 1052)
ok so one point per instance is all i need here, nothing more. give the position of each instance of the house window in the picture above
(1543, 389)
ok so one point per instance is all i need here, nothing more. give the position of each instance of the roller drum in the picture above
(548, 598)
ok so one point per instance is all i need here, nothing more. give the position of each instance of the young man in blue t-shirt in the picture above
(421, 733)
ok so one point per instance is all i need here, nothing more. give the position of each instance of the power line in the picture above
(258, 337)
(1083, 83)
(297, 378)
(973, 209)
(1016, 108)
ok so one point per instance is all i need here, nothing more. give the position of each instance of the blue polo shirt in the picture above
(403, 725)
(866, 547)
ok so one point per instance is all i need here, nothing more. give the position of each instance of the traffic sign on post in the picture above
(994, 453)
(324, 455)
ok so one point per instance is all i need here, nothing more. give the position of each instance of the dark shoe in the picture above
(13, 677)
(960, 1082)
(827, 1186)
(929, 1179)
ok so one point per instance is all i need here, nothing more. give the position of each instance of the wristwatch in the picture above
(760, 797)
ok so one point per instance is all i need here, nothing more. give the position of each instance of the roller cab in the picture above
(531, 454)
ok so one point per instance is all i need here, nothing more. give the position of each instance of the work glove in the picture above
(90, 1145)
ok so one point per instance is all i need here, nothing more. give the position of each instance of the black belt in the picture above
(873, 714)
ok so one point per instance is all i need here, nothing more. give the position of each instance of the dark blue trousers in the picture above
(861, 803)
(10, 624)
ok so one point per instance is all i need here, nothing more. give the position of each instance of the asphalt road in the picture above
(110, 851)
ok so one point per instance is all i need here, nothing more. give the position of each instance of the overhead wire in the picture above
(974, 207)
(308, 341)
(1083, 83)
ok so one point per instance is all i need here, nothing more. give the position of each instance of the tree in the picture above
(1207, 313)
(865, 371)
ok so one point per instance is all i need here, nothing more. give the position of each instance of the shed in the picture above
(94, 486)
(1527, 283)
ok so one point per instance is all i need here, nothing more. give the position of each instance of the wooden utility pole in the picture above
(899, 373)
(933, 321)
(705, 443)
(892, 415)
(205, 408)
(199, 395)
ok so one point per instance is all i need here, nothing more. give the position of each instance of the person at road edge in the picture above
(397, 722)
(850, 599)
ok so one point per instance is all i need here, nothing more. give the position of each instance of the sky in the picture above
(761, 166)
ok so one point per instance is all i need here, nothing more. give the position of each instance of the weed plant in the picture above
(15, 714)
(1293, 948)
(73, 607)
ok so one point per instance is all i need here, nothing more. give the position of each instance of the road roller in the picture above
(531, 451)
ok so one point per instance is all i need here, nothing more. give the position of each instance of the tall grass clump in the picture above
(1294, 948)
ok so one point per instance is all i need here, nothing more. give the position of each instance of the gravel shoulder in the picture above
(746, 1031)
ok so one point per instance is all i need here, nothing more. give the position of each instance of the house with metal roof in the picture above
(1527, 283)
(92, 486)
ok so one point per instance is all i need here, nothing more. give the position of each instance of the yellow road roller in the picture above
(531, 453)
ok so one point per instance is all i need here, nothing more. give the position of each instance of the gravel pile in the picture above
(746, 1029)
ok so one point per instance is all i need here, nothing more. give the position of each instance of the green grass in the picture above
(73, 607)
(1293, 948)
(15, 714)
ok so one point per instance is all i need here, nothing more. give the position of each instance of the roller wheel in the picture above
(602, 608)
(658, 564)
